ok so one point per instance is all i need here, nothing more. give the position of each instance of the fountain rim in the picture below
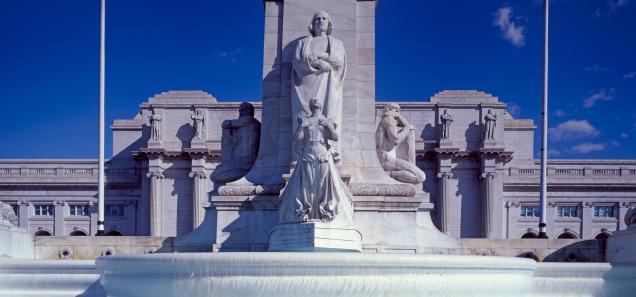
(278, 263)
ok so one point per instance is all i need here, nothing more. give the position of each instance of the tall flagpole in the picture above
(544, 125)
(102, 72)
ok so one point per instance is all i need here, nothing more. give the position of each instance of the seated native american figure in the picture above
(395, 144)
(239, 145)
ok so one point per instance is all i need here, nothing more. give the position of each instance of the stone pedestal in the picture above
(314, 237)
(621, 246)
(198, 143)
(15, 243)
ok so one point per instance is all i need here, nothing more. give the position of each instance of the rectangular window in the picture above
(604, 211)
(114, 210)
(568, 211)
(43, 210)
(530, 211)
(78, 210)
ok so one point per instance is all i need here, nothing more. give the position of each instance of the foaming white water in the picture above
(315, 274)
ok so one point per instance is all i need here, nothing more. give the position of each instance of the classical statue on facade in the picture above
(446, 120)
(315, 191)
(155, 126)
(199, 122)
(239, 145)
(7, 216)
(319, 66)
(395, 144)
(491, 122)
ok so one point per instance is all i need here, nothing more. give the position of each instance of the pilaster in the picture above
(58, 214)
(156, 203)
(445, 202)
(23, 209)
(130, 213)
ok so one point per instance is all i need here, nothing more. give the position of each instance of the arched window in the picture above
(529, 235)
(78, 233)
(602, 236)
(42, 233)
(567, 235)
(114, 233)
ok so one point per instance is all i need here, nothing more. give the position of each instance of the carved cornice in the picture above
(198, 174)
(488, 175)
(249, 190)
(157, 174)
(442, 174)
(512, 204)
(404, 190)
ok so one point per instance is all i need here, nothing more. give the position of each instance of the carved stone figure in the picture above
(239, 145)
(7, 215)
(630, 217)
(395, 144)
(315, 191)
(155, 126)
(491, 122)
(319, 67)
(199, 122)
(446, 120)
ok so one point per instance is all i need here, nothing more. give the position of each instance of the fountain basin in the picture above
(314, 274)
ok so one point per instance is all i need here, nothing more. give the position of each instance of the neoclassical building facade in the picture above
(479, 163)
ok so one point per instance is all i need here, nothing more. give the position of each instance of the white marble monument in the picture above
(316, 208)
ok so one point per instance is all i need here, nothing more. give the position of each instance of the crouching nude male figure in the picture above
(392, 133)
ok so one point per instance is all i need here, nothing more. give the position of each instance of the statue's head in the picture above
(246, 109)
(321, 22)
(391, 108)
(315, 105)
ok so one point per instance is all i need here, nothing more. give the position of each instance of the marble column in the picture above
(23, 215)
(156, 203)
(58, 215)
(443, 203)
(489, 197)
(198, 196)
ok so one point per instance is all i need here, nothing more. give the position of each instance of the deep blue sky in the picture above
(49, 64)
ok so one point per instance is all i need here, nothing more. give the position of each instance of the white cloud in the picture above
(600, 95)
(596, 68)
(513, 109)
(624, 135)
(614, 5)
(615, 143)
(230, 56)
(573, 129)
(630, 75)
(554, 152)
(561, 113)
(588, 147)
(510, 30)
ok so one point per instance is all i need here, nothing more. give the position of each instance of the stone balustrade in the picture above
(583, 171)
(61, 170)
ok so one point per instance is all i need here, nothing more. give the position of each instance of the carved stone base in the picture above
(154, 144)
(491, 143)
(620, 246)
(446, 143)
(197, 144)
(314, 237)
